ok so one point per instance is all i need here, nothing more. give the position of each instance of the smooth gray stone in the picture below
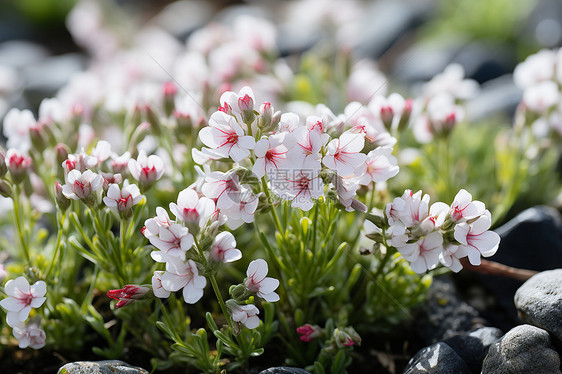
(539, 302)
(100, 367)
(473, 347)
(524, 349)
(284, 370)
(180, 18)
(499, 95)
(18, 53)
(438, 358)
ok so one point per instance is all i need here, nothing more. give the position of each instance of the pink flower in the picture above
(258, 282)
(30, 336)
(184, 275)
(476, 239)
(81, 185)
(146, 170)
(226, 137)
(224, 248)
(308, 332)
(122, 199)
(127, 294)
(21, 298)
(344, 155)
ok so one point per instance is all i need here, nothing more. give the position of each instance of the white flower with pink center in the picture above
(79, 161)
(300, 186)
(257, 281)
(146, 170)
(16, 128)
(463, 208)
(289, 122)
(307, 148)
(423, 255)
(381, 165)
(451, 255)
(192, 209)
(238, 103)
(344, 154)
(476, 239)
(21, 298)
(30, 336)
(157, 287)
(172, 241)
(245, 314)
(101, 152)
(226, 137)
(122, 199)
(152, 225)
(224, 248)
(222, 187)
(410, 209)
(272, 153)
(81, 185)
(184, 275)
(120, 164)
(243, 211)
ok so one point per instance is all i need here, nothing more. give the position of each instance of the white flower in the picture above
(157, 288)
(21, 298)
(184, 275)
(452, 82)
(245, 314)
(223, 187)
(541, 96)
(476, 239)
(224, 248)
(410, 209)
(298, 185)
(102, 151)
(464, 208)
(424, 254)
(344, 155)
(79, 161)
(81, 185)
(16, 128)
(259, 283)
(145, 169)
(172, 241)
(243, 211)
(152, 225)
(272, 153)
(226, 137)
(381, 166)
(122, 199)
(191, 208)
(536, 68)
(30, 336)
(307, 149)
(451, 255)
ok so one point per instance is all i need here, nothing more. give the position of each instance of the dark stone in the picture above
(532, 240)
(539, 302)
(472, 348)
(443, 314)
(524, 349)
(284, 370)
(438, 358)
(499, 95)
(484, 60)
(100, 367)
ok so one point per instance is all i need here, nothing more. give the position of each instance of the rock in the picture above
(444, 314)
(438, 358)
(100, 367)
(284, 370)
(473, 347)
(539, 302)
(532, 240)
(180, 18)
(484, 60)
(18, 54)
(524, 349)
(499, 95)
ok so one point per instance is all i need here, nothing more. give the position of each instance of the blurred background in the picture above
(412, 40)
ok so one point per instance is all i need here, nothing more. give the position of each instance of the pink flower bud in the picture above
(246, 103)
(309, 332)
(62, 202)
(169, 90)
(61, 151)
(3, 168)
(387, 114)
(18, 164)
(128, 294)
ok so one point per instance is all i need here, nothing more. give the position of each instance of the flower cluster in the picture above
(22, 297)
(299, 161)
(426, 235)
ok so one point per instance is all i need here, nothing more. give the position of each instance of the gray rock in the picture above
(499, 95)
(100, 367)
(18, 54)
(524, 349)
(444, 314)
(473, 347)
(180, 18)
(284, 370)
(539, 302)
(438, 358)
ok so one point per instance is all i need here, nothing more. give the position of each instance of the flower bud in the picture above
(62, 202)
(153, 119)
(36, 136)
(387, 115)
(246, 105)
(18, 165)
(61, 151)
(405, 118)
(169, 91)
(3, 168)
(239, 293)
(128, 294)
(309, 332)
(140, 132)
(346, 337)
(5, 188)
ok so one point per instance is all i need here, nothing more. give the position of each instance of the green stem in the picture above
(272, 210)
(60, 227)
(177, 338)
(18, 218)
